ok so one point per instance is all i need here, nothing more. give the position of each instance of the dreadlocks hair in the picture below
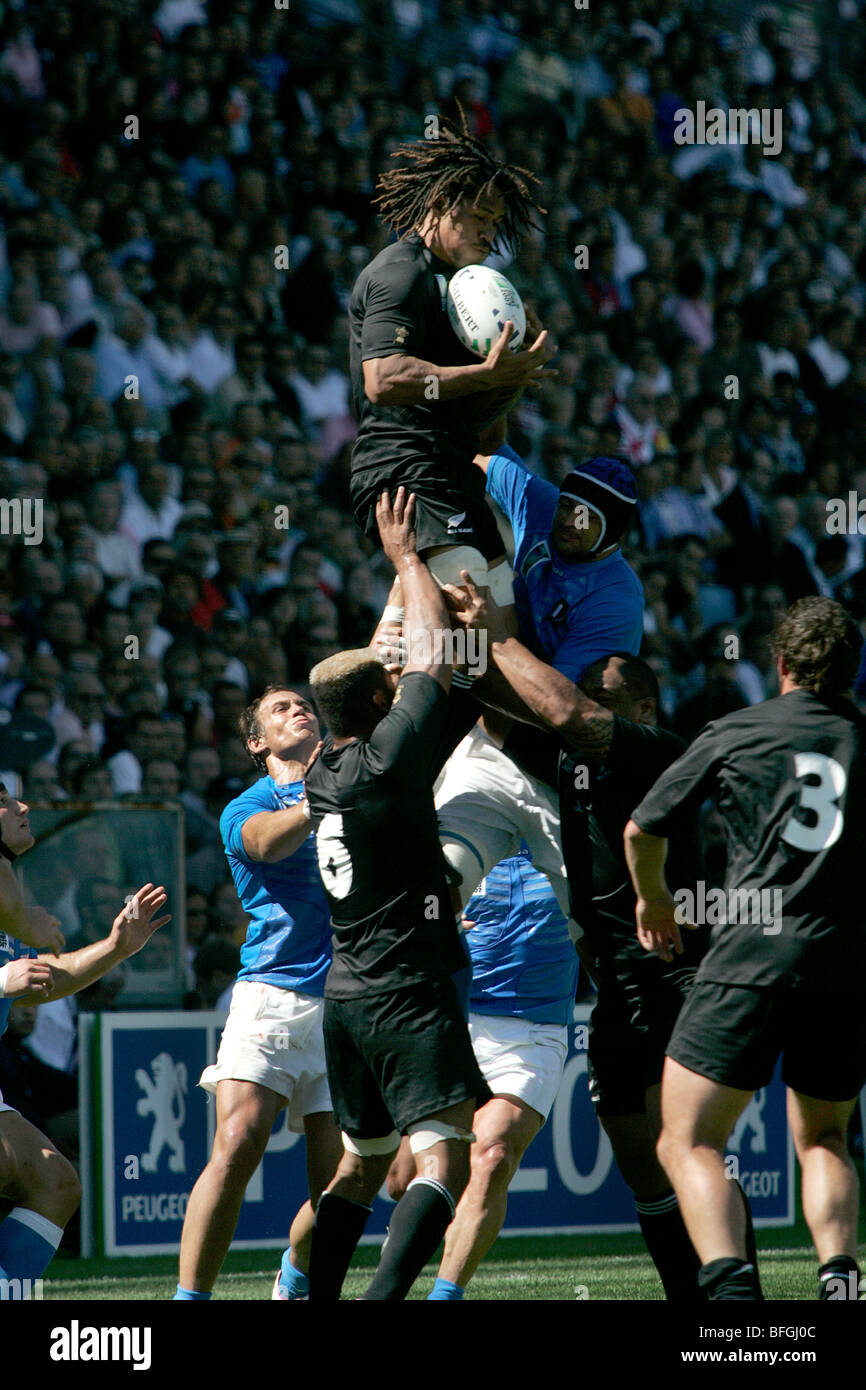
(454, 166)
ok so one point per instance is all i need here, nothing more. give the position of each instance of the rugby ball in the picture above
(479, 301)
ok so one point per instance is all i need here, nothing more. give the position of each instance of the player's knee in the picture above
(55, 1188)
(359, 1180)
(666, 1148)
(396, 1183)
(829, 1137)
(7, 1168)
(237, 1150)
(494, 1163)
(68, 1187)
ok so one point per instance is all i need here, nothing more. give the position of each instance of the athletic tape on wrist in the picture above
(3, 970)
(393, 613)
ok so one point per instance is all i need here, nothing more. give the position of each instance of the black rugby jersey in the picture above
(398, 306)
(789, 780)
(378, 844)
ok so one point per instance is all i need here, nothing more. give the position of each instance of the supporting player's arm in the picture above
(645, 855)
(75, 970)
(425, 618)
(387, 638)
(551, 697)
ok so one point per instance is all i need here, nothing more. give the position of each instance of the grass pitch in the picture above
(520, 1268)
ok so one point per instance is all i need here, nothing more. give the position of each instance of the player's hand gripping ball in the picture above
(480, 301)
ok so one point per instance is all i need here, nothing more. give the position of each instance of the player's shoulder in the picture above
(623, 574)
(257, 797)
(418, 691)
(400, 264)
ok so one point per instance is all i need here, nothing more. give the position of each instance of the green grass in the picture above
(519, 1268)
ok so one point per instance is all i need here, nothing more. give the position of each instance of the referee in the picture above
(421, 398)
(789, 780)
(398, 1051)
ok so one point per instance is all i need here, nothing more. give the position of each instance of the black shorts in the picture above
(450, 505)
(734, 1034)
(629, 1031)
(395, 1058)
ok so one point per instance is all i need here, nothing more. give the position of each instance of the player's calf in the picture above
(46, 1190)
(505, 1128)
(440, 1148)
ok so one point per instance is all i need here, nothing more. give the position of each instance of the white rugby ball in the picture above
(480, 300)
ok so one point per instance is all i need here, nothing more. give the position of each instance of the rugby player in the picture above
(607, 751)
(400, 1059)
(42, 1184)
(789, 780)
(272, 1053)
(524, 978)
(577, 599)
(421, 398)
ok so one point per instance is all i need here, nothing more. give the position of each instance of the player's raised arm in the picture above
(425, 618)
(553, 698)
(132, 928)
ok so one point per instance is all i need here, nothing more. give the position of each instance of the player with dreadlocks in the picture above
(421, 398)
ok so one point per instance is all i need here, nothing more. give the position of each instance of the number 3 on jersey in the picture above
(821, 800)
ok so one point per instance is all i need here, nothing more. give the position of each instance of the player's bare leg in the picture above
(830, 1184)
(245, 1116)
(634, 1148)
(401, 1172)
(697, 1116)
(504, 1129)
(45, 1190)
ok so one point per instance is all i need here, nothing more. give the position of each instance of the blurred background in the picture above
(184, 207)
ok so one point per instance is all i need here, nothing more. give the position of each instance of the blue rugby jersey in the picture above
(570, 614)
(289, 937)
(11, 949)
(524, 964)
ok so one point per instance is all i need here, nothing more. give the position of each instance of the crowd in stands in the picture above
(185, 203)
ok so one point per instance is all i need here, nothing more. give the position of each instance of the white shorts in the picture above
(273, 1037)
(521, 1059)
(486, 805)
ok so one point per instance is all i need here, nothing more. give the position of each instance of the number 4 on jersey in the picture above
(820, 799)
